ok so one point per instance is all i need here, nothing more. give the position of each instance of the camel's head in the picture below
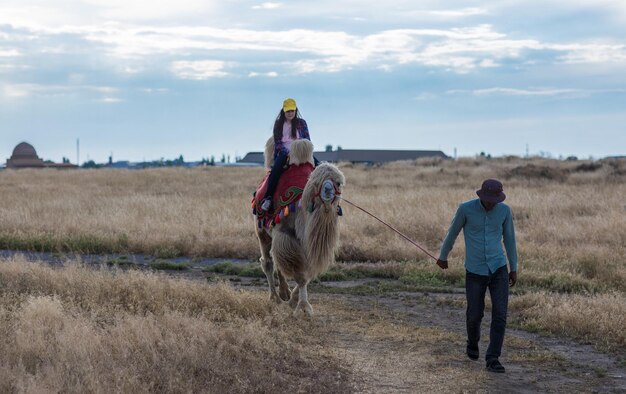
(328, 191)
(325, 186)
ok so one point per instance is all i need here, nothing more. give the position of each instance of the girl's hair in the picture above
(278, 125)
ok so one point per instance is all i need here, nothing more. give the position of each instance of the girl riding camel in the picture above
(289, 126)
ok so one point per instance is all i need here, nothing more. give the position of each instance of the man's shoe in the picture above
(472, 352)
(495, 366)
(266, 204)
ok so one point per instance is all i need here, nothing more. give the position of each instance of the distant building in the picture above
(365, 156)
(25, 156)
(118, 164)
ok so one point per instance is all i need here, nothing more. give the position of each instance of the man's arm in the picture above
(455, 228)
(508, 235)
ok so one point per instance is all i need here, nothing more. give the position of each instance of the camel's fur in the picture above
(301, 152)
(303, 244)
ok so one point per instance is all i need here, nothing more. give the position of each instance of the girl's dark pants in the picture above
(277, 170)
(475, 288)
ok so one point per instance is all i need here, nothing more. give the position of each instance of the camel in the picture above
(303, 244)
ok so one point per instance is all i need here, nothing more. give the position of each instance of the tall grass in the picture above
(599, 319)
(160, 212)
(83, 330)
(569, 216)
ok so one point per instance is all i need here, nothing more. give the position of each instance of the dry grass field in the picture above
(74, 329)
(570, 216)
(83, 330)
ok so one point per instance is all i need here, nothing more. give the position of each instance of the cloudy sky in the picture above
(145, 79)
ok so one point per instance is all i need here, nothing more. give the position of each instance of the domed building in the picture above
(24, 156)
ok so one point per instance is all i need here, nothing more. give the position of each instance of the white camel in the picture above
(303, 244)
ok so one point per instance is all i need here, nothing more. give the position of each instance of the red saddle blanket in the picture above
(288, 192)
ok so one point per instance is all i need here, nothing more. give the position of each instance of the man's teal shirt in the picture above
(484, 232)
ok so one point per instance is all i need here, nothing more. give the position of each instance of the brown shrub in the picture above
(588, 167)
(532, 171)
(618, 166)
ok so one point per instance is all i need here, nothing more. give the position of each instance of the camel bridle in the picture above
(336, 193)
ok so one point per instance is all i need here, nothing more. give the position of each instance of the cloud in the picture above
(111, 100)
(526, 92)
(459, 13)
(148, 9)
(271, 74)
(444, 14)
(614, 9)
(537, 92)
(425, 96)
(14, 91)
(457, 49)
(40, 14)
(198, 69)
(102, 89)
(327, 65)
(9, 52)
(590, 53)
(7, 67)
(154, 90)
(267, 6)
(136, 48)
(488, 63)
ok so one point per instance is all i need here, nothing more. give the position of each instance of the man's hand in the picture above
(443, 264)
(512, 278)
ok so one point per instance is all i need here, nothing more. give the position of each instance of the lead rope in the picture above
(391, 227)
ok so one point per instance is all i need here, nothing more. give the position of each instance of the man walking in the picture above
(486, 222)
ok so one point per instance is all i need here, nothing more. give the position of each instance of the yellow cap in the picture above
(289, 105)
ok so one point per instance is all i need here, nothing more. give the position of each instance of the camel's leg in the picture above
(295, 296)
(283, 286)
(267, 264)
(288, 257)
(268, 269)
(303, 299)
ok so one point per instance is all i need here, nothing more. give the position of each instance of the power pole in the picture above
(78, 152)
(527, 155)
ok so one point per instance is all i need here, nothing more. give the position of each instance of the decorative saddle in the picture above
(287, 197)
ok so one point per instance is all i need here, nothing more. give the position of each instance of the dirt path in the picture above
(415, 342)
(418, 340)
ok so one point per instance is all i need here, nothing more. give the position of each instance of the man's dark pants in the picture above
(475, 288)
